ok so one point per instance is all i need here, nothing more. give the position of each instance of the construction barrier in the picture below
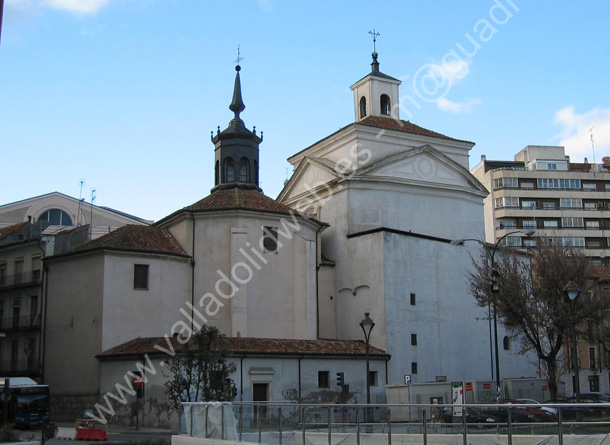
(66, 433)
(90, 429)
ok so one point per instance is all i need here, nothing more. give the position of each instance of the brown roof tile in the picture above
(253, 346)
(238, 198)
(5, 231)
(136, 239)
(389, 123)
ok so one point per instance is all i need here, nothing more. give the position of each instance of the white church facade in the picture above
(363, 226)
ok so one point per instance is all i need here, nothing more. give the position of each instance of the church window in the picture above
(412, 299)
(255, 172)
(244, 170)
(413, 339)
(362, 107)
(323, 379)
(56, 217)
(385, 104)
(216, 173)
(413, 367)
(140, 276)
(270, 239)
(229, 170)
(373, 378)
(506, 343)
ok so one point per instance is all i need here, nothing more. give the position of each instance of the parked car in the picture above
(473, 415)
(517, 414)
(593, 397)
(571, 412)
(600, 397)
(534, 414)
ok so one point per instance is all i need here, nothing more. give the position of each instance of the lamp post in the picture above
(367, 326)
(573, 292)
(495, 288)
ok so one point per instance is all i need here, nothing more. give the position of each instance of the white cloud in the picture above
(457, 107)
(76, 6)
(575, 134)
(453, 70)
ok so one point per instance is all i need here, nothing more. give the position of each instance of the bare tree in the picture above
(200, 370)
(531, 301)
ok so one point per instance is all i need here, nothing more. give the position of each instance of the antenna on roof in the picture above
(80, 203)
(592, 142)
(91, 217)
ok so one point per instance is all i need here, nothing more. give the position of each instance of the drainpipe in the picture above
(317, 290)
(43, 304)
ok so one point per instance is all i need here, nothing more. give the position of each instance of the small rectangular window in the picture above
(373, 378)
(412, 299)
(413, 367)
(140, 276)
(270, 243)
(413, 339)
(549, 205)
(323, 379)
(589, 187)
(592, 357)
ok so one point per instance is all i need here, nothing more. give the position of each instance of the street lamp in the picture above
(367, 326)
(573, 292)
(495, 288)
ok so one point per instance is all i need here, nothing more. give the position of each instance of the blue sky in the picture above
(123, 94)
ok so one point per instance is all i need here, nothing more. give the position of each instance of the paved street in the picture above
(116, 434)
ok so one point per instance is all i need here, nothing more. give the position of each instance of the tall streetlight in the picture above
(573, 292)
(367, 326)
(495, 288)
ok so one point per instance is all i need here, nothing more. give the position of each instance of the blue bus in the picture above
(28, 402)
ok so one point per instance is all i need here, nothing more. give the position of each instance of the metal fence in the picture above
(294, 423)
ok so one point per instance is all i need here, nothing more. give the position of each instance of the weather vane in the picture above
(375, 35)
(239, 59)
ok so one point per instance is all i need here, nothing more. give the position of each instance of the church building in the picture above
(362, 230)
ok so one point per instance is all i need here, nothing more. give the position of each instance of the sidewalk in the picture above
(122, 429)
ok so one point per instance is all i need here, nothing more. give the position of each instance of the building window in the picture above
(506, 183)
(216, 173)
(590, 206)
(2, 274)
(244, 170)
(507, 202)
(589, 187)
(140, 276)
(528, 223)
(18, 271)
(595, 263)
(607, 187)
(572, 221)
(549, 205)
(527, 185)
(594, 243)
(373, 378)
(529, 243)
(56, 217)
(413, 367)
(592, 225)
(528, 204)
(412, 299)
(270, 239)
(507, 224)
(550, 224)
(513, 241)
(229, 170)
(506, 343)
(568, 241)
(362, 107)
(323, 379)
(413, 339)
(570, 203)
(385, 104)
(592, 357)
(554, 183)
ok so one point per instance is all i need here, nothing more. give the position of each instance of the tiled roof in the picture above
(253, 346)
(390, 123)
(135, 239)
(238, 198)
(5, 231)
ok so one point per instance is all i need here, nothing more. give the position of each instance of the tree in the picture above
(531, 302)
(200, 371)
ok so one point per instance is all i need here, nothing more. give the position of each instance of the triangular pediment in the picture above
(424, 165)
(311, 174)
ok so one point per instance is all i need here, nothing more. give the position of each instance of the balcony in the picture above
(23, 279)
(22, 323)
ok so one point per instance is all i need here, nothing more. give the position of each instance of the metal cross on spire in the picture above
(239, 59)
(375, 35)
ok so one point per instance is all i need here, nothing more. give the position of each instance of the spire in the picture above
(237, 104)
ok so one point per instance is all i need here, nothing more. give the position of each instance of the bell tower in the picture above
(376, 94)
(236, 149)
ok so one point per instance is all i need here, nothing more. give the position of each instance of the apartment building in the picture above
(543, 190)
